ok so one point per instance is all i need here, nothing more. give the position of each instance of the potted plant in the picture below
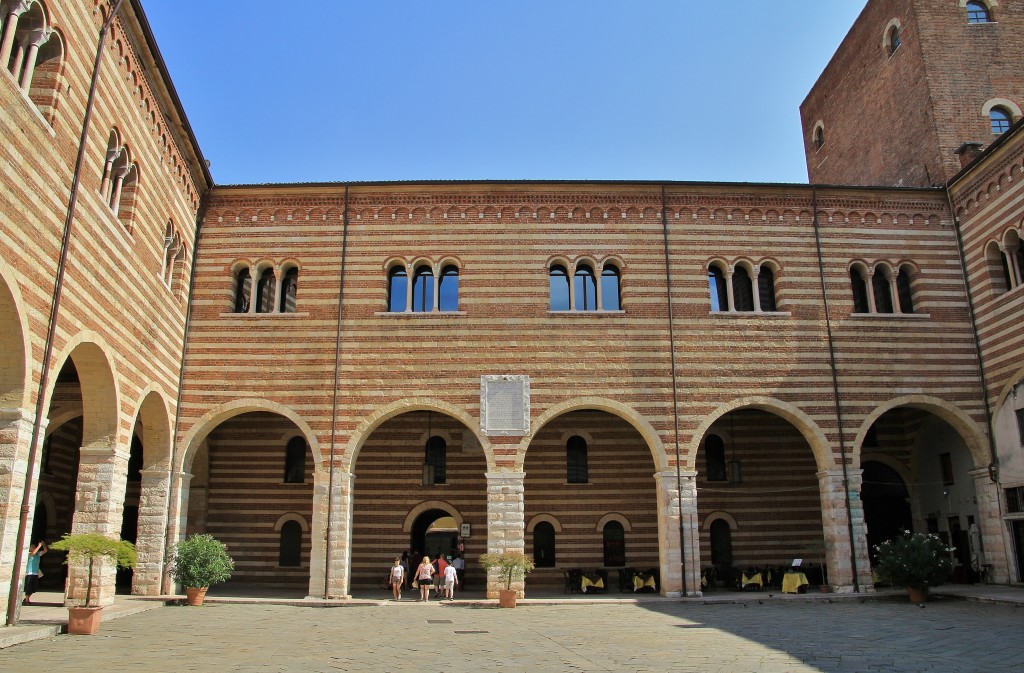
(85, 620)
(199, 562)
(510, 564)
(916, 561)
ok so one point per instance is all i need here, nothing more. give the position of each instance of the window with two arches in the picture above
(881, 289)
(119, 179)
(1005, 262)
(584, 292)
(32, 50)
(428, 287)
(271, 296)
(734, 288)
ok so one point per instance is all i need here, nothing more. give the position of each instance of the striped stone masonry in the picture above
(506, 527)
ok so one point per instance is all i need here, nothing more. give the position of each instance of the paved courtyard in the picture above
(946, 636)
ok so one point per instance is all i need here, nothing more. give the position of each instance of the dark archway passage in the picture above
(886, 504)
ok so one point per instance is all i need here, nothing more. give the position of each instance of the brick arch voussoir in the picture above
(152, 413)
(204, 425)
(98, 380)
(973, 436)
(14, 371)
(1011, 383)
(824, 458)
(626, 413)
(381, 415)
(428, 505)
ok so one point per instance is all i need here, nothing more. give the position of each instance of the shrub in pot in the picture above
(511, 565)
(916, 561)
(199, 562)
(85, 620)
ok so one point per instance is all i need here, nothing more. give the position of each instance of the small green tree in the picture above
(915, 560)
(91, 546)
(201, 561)
(510, 564)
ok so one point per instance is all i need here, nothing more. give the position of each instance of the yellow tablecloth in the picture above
(587, 582)
(641, 582)
(791, 582)
(753, 579)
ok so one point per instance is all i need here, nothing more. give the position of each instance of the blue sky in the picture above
(571, 90)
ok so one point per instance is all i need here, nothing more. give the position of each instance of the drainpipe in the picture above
(334, 401)
(675, 397)
(993, 466)
(835, 391)
(19, 554)
(204, 202)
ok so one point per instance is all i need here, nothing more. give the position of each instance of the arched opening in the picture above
(265, 292)
(398, 289)
(243, 290)
(761, 470)
(423, 289)
(718, 289)
(742, 289)
(544, 545)
(558, 288)
(290, 545)
(886, 504)
(766, 289)
(289, 290)
(860, 291)
(1008, 433)
(585, 287)
(882, 291)
(448, 289)
(402, 501)
(611, 288)
(130, 511)
(238, 494)
(618, 484)
(12, 341)
(940, 496)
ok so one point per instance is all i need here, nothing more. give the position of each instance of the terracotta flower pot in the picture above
(84, 621)
(195, 595)
(506, 598)
(917, 596)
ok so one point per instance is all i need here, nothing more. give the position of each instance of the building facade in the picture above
(683, 379)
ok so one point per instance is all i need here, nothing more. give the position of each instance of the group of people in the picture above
(441, 576)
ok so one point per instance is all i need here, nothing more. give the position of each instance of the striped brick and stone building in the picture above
(685, 379)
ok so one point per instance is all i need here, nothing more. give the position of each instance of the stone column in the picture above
(36, 39)
(108, 167)
(99, 507)
(177, 522)
(15, 437)
(837, 531)
(115, 195)
(678, 529)
(149, 546)
(506, 522)
(728, 289)
(339, 500)
(991, 524)
(12, 10)
(756, 283)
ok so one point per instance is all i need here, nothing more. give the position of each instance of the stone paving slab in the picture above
(950, 636)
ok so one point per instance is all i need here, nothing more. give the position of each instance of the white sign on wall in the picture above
(505, 405)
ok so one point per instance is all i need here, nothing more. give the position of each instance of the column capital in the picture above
(15, 7)
(37, 37)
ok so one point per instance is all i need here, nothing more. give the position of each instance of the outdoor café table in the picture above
(752, 579)
(791, 582)
(641, 580)
(597, 583)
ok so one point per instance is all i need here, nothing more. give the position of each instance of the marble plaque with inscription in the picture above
(505, 405)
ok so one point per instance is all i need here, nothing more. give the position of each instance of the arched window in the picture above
(714, 458)
(819, 137)
(719, 292)
(611, 288)
(860, 292)
(289, 290)
(423, 289)
(398, 289)
(742, 290)
(721, 543)
(295, 461)
(614, 544)
(558, 284)
(1000, 119)
(766, 289)
(290, 555)
(977, 12)
(544, 545)
(265, 292)
(576, 470)
(903, 290)
(436, 457)
(894, 39)
(586, 288)
(998, 268)
(882, 291)
(448, 290)
(243, 290)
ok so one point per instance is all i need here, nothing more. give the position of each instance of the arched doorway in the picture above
(886, 504)
(417, 475)
(591, 472)
(758, 470)
(248, 482)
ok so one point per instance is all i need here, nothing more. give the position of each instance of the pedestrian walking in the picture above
(451, 578)
(397, 578)
(424, 573)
